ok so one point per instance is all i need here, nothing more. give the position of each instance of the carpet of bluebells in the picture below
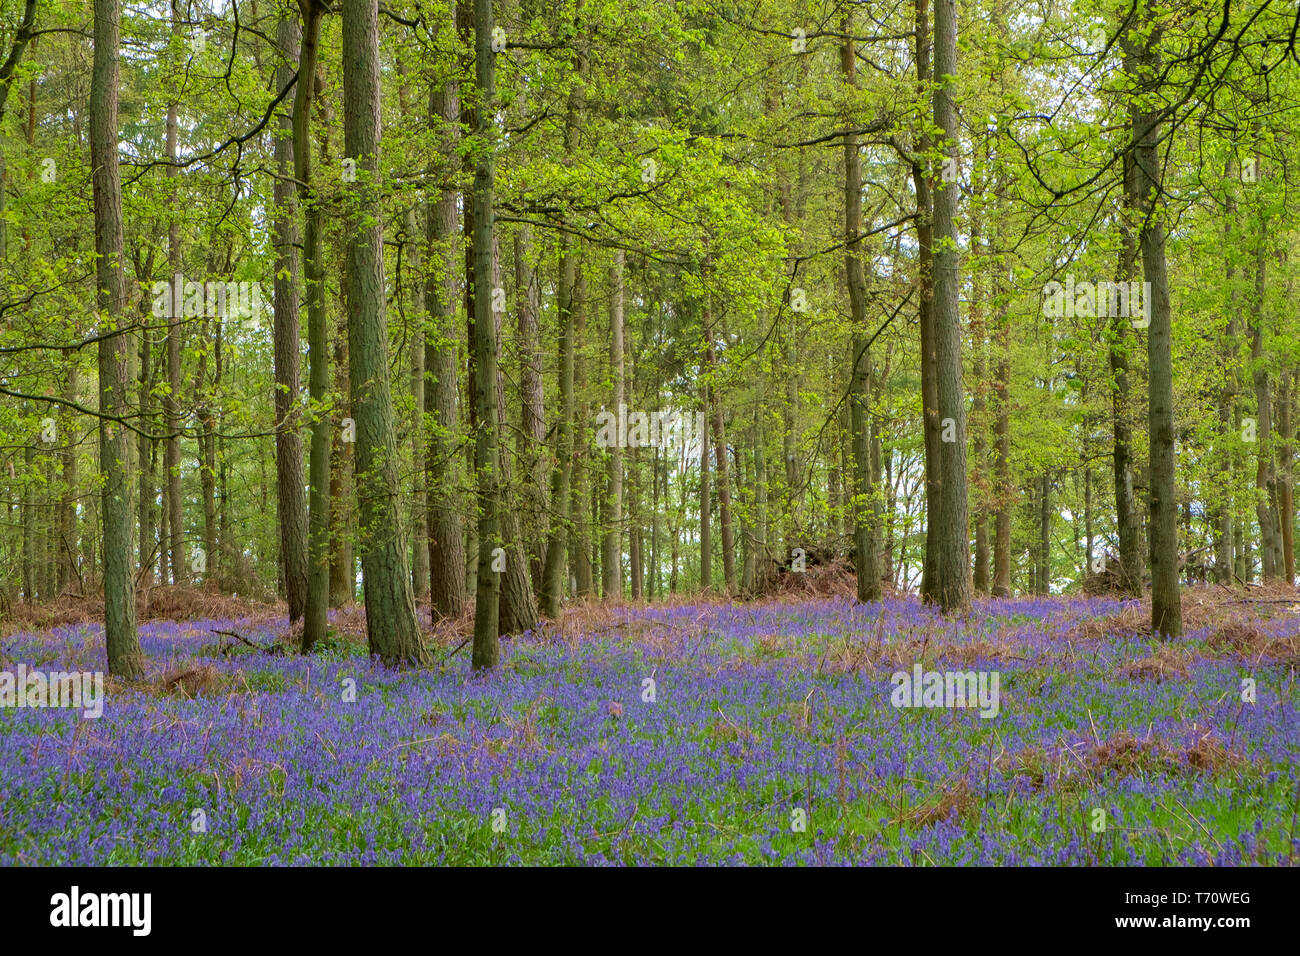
(1110, 748)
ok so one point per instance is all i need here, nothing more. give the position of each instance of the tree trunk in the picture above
(1166, 606)
(706, 504)
(979, 404)
(611, 563)
(634, 549)
(864, 489)
(1226, 401)
(419, 498)
(316, 609)
(950, 565)
(342, 566)
(517, 606)
(561, 477)
(29, 522)
(145, 493)
(122, 642)
(483, 346)
(1002, 441)
(580, 500)
(1270, 532)
(202, 402)
(172, 455)
(1126, 514)
(444, 479)
(390, 602)
(1286, 471)
(925, 211)
(532, 432)
(719, 450)
(69, 546)
(291, 499)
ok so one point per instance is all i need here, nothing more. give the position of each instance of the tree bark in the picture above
(864, 490)
(950, 564)
(122, 643)
(714, 408)
(706, 505)
(291, 499)
(444, 478)
(611, 564)
(483, 345)
(172, 453)
(316, 609)
(1224, 406)
(1126, 516)
(1266, 512)
(532, 432)
(580, 481)
(1286, 472)
(1142, 65)
(925, 211)
(69, 544)
(390, 602)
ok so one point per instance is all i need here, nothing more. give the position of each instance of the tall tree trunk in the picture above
(611, 563)
(561, 477)
(580, 497)
(1142, 65)
(483, 346)
(1270, 533)
(719, 448)
(706, 504)
(342, 567)
(419, 497)
(950, 565)
(552, 590)
(864, 489)
(172, 456)
(1286, 470)
(413, 249)
(29, 523)
(200, 401)
(1225, 403)
(925, 211)
(122, 642)
(390, 603)
(979, 403)
(532, 432)
(69, 546)
(517, 605)
(1126, 514)
(762, 557)
(1002, 437)
(316, 609)
(291, 499)
(635, 559)
(1043, 553)
(144, 493)
(442, 399)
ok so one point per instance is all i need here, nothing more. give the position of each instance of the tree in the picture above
(291, 501)
(316, 610)
(123, 644)
(175, 502)
(864, 491)
(611, 561)
(390, 601)
(483, 346)
(441, 396)
(950, 564)
(1142, 62)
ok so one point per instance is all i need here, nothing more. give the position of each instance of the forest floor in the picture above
(684, 733)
